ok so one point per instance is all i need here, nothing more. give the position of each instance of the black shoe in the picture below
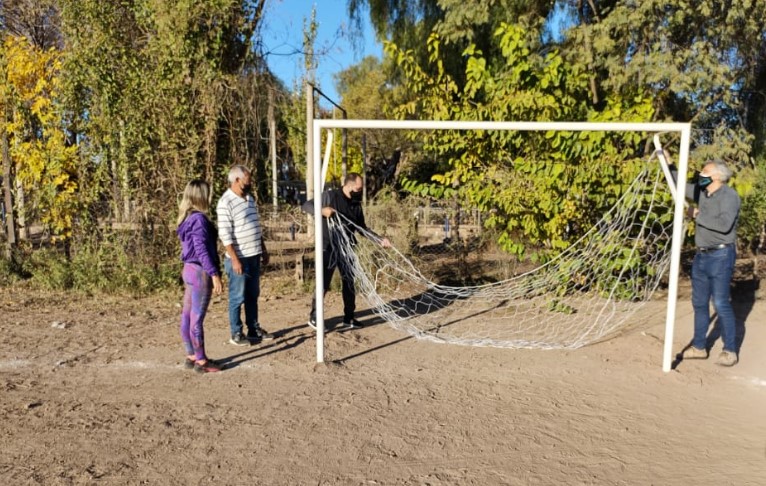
(259, 335)
(239, 340)
(351, 324)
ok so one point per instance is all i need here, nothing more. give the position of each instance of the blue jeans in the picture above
(711, 278)
(244, 289)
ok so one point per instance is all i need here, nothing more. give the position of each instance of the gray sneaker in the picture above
(695, 353)
(727, 358)
(239, 340)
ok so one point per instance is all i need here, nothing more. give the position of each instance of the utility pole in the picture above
(273, 150)
(310, 152)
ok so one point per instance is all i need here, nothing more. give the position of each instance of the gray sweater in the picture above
(718, 214)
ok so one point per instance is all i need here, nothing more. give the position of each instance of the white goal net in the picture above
(585, 294)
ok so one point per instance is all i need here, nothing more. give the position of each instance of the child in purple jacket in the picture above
(201, 268)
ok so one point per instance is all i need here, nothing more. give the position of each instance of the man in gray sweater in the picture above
(716, 216)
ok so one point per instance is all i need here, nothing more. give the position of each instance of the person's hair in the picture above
(196, 198)
(237, 172)
(351, 177)
(723, 170)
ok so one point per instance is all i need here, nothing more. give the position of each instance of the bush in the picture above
(752, 188)
(105, 263)
(8, 272)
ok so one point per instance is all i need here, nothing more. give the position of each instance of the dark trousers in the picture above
(347, 281)
(711, 280)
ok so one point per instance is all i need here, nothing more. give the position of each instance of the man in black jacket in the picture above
(346, 201)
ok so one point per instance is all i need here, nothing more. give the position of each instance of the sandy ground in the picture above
(94, 392)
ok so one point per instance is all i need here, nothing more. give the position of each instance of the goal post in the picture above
(684, 129)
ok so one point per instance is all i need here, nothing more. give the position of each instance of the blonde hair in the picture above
(196, 198)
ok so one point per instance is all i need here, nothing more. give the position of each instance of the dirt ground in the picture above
(94, 392)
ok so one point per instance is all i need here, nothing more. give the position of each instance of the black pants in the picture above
(347, 281)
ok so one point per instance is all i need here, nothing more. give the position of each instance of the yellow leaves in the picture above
(30, 72)
(44, 164)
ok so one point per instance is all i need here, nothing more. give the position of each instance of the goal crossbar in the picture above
(684, 129)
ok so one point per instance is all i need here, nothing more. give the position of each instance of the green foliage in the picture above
(556, 306)
(147, 82)
(751, 186)
(540, 189)
(106, 267)
(364, 94)
(12, 269)
(700, 61)
(110, 124)
(459, 23)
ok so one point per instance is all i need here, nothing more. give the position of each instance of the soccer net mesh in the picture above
(586, 293)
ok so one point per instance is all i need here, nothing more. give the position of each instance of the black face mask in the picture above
(356, 196)
(704, 181)
(246, 188)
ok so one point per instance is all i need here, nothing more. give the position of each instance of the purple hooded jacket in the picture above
(198, 243)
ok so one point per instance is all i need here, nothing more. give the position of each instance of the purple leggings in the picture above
(196, 299)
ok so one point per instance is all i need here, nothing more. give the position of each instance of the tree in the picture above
(459, 23)
(702, 61)
(43, 163)
(365, 91)
(148, 83)
(540, 189)
(36, 20)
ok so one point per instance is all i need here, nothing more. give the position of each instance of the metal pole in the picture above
(364, 169)
(675, 249)
(484, 125)
(344, 161)
(318, 245)
(328, 148)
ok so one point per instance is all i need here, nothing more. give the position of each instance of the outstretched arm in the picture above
(373, 236)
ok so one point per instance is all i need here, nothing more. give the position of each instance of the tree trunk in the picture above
(20, 202)
(10, 225)
(116, 196)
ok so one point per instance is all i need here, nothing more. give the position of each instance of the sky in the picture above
(283, 38)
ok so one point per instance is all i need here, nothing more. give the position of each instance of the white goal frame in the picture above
(317, 125)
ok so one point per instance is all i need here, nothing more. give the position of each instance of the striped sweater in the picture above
(239, 224)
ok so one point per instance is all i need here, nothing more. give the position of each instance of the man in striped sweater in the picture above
(239, 228)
